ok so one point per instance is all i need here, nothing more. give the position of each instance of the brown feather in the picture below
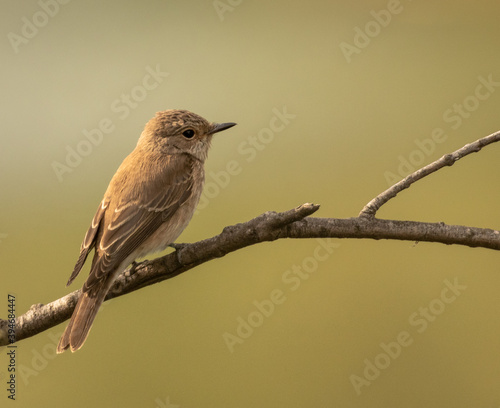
(148, 203)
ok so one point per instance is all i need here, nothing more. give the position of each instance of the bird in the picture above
(148, 203)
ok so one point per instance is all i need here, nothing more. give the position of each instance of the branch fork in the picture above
(270, 226)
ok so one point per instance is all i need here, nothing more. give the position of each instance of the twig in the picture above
(373, 206)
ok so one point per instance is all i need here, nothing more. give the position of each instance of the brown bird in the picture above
(147, 205)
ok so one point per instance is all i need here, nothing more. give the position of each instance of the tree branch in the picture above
(271, 226)
(373, 206)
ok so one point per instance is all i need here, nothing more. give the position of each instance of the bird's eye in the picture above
(188, 134)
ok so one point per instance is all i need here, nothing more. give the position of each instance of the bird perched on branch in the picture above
(148, 203)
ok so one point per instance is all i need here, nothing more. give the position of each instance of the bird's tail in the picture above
(81, 322)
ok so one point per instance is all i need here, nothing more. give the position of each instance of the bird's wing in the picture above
(122, 224)
(90, 239)
(136, 216)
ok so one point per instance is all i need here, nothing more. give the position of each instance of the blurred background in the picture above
(334, 101)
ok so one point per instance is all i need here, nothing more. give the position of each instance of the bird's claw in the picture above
(133, 268)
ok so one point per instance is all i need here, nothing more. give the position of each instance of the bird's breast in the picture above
(170, 230)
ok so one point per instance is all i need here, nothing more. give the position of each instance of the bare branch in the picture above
(373, 206)
(271, 226)
(267, 227)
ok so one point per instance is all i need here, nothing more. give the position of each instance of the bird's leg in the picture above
(133, 268)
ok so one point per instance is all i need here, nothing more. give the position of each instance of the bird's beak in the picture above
(219, 127)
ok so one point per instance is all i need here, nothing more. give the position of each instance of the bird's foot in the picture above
(133, 268)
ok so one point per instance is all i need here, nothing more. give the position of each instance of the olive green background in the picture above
(356, 119)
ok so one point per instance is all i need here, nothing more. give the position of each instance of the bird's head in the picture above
(180, 131)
